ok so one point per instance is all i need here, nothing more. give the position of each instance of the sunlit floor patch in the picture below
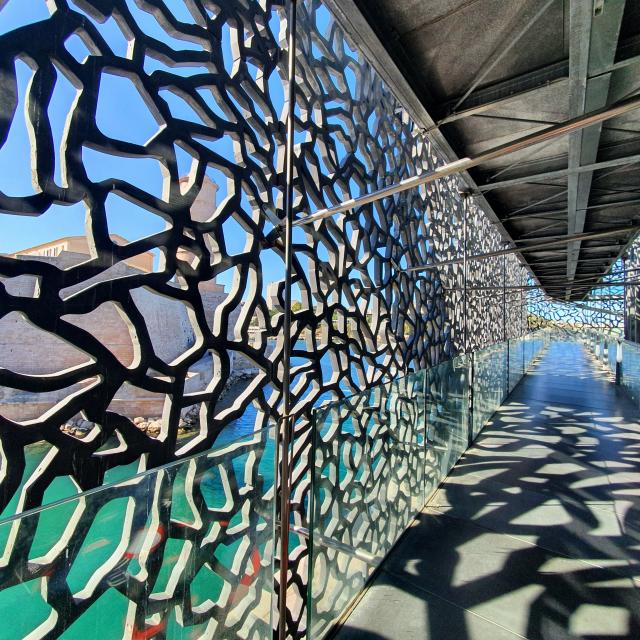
(536, 531)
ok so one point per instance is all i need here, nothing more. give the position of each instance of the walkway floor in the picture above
(536, 533)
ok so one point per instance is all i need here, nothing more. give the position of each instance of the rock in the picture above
(138, 420)
(190, 412)
(79, 433)
(154, 427)
(84, 425)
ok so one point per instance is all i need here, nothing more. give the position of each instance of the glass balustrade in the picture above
(516, 362)
(612, 353)
(187, 550)
(177, 552)
(630, 366)
(447, 418)
(607, 348)
(368, 483)
(490, 383)
(378, 456)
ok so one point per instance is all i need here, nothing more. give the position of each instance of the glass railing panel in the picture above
(595, 342)
(612, 353)
(447, 396)
(533, 344)
(527, 351)
(182, 551)
(630, 365)
(602, 348)
(380, 454)
(490, 382)
(368, 483)
(516, 362)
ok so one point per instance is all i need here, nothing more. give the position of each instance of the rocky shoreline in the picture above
(79, 427)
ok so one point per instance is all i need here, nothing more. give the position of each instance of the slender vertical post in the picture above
(632, 312)
(504, 298)
(470, 379)
(632, 318)
(465, 322)
(625, 297)
(465, 328)
(286, 430)
(425, 448)
(504, 318)
(523, 327)
(629, 297)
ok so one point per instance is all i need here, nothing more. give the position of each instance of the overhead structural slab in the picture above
(489, 72)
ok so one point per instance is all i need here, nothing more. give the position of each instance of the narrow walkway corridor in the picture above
(536, 533)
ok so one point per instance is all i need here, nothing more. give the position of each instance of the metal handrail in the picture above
(459, 166)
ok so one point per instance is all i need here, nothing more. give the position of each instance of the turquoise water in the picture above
(111, 549)
(108, 539)
(108, 549)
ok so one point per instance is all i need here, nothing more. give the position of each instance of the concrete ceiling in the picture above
(490, 71)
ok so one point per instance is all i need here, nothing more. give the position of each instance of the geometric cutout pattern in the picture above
(160, 128)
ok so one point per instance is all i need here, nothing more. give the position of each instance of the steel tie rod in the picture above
(458, 166)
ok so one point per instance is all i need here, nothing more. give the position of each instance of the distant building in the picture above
(80, 245)
(27, 349)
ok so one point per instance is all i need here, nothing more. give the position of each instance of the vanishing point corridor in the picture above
(536, 532)
(304, 308)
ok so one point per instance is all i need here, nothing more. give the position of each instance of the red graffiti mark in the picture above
(135, 547)
(148, 632)
(248, 579)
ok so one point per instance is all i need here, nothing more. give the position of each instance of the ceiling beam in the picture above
(550, 244)
(608, 247)
(554, 212)
(538, 266)
(524, 22)
(497, 94)
(592, 47)
(621, 64)
(560, 173)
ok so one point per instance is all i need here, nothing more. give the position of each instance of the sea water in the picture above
(40, 532)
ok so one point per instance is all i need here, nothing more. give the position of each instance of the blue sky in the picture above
(117, 97)
(122, 114)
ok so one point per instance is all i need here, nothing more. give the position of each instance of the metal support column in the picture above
(523, 327)
(471, 376)
(504, 317)
(465, 310)
(625, 297)
(286, 428)
(504, 297)
(465, 327)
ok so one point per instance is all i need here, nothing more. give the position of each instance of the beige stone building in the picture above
(27, 349)
(80, 246)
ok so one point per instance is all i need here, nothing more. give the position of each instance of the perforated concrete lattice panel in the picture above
(153, 134)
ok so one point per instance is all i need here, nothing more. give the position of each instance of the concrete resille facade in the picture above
(27, 349)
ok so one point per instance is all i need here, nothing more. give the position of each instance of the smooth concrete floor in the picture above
(536, 532)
